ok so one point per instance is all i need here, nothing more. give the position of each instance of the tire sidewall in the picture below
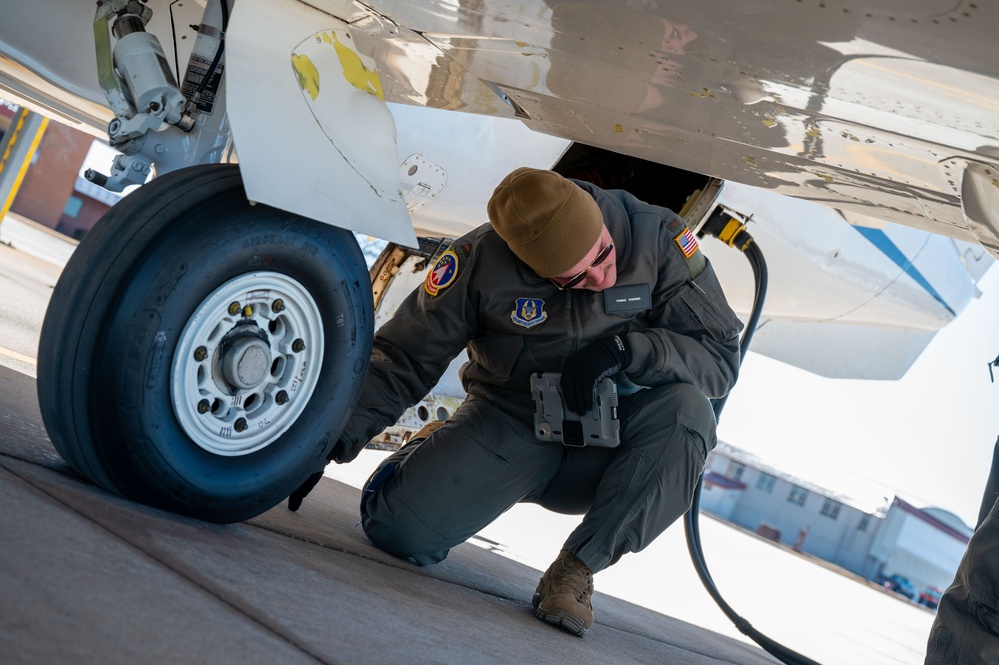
(198, 251)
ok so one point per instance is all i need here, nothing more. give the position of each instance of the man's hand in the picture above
(296, 497)
(581, 373)
(342, 453)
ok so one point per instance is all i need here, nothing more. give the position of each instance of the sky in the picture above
(928, 436)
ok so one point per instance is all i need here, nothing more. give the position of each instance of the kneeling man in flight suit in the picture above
(527, 293)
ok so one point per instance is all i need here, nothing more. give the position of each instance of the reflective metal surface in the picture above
(859, 104)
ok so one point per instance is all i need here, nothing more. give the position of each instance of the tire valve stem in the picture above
(234, 308)
(200, 354)
(281, 397)
(248, 311)
(278, 306)
(298, 346)
(240, 424)
(204, 406)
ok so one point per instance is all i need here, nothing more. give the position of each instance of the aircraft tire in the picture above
(201, 354)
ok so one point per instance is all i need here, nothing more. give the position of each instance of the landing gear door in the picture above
(312, 132)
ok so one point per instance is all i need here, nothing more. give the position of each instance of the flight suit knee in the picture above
(393, 528)
(388, 523)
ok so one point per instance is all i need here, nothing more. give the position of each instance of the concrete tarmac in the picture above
(88, 577)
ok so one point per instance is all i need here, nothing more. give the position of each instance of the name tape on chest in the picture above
(631, 298)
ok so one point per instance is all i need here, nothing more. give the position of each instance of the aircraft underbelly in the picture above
(849, 106)
(888, 110)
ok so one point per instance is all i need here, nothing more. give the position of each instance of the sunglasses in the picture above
(576, 279)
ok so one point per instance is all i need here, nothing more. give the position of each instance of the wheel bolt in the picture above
(200, 354)
(204, 406)
(248, 311)
(234, 308)
(278, 306)
(298, 346)
(281, 397)
(240, 424)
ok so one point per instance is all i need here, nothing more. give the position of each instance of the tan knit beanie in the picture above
(548, 222)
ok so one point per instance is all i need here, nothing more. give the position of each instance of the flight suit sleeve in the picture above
(413, 349)
(693, 336)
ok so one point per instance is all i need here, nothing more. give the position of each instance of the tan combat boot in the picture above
(563, 594)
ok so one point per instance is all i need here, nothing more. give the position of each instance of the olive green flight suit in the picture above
(684, 344)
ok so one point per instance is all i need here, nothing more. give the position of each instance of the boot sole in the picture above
(562, 619)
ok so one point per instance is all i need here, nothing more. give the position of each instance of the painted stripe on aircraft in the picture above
(880, 239)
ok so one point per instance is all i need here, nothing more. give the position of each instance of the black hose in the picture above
(748, 246)
(218, 52)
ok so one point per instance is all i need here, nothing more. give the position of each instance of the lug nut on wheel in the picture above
(200, 354)
(298, 346)
(278, 306)
(281, 397)
(240, 425)
(234, 308)
(204, 406)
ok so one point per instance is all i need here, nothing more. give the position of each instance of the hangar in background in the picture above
(873, 538)
(52, 192)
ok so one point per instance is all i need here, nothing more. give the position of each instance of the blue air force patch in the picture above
(443, 274)
(529, 312)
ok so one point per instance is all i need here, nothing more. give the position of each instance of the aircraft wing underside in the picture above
(879, 110)
(888, 109)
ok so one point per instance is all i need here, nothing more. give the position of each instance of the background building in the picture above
(873, 539)
(52, 192)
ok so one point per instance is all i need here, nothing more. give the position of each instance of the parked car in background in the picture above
(930, 597)
(900, 585)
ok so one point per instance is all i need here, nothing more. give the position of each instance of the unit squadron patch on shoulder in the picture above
(443, 274)
(529, 312)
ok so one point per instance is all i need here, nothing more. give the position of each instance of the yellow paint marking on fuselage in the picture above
(308, 75)
(356, 73)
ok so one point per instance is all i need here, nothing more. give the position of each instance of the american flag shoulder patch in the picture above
(687, 243)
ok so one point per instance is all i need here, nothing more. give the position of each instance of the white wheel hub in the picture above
(247, 363)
